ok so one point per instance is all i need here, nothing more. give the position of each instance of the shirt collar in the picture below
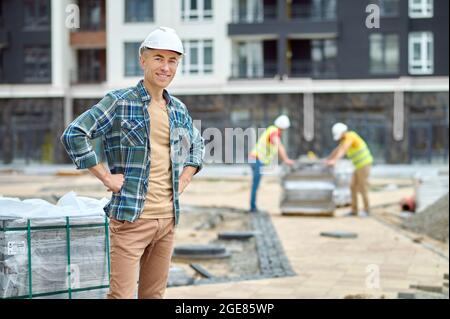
(145, 96)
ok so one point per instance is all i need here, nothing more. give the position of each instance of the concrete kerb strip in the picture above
(339, 234)
(201, 270)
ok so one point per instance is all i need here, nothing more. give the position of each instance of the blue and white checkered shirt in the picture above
(122, 121)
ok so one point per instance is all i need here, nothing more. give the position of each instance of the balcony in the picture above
(301, 17)
(92, 31)
(314, 69)
(244, 70)
(88, 40)
(313, 10)
(264, 14)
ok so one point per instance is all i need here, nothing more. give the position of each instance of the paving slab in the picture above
(324, 266)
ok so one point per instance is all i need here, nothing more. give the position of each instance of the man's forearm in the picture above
(189, 172)
(100, 172)
(282, 152)
(92, 124)
(340, 154)
(333, 154)
(186, 177)
(196, 152)
(113, 183)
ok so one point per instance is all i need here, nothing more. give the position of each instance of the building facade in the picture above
(31, 108)
(318, 61)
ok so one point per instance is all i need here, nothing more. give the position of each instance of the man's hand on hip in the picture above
(114, 183)
(185, 178)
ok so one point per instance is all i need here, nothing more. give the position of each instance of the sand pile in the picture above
(432, 221)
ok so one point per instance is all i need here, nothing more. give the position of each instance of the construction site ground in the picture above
(381, 262)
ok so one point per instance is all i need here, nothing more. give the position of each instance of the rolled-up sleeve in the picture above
(92, 124)
(197, 149)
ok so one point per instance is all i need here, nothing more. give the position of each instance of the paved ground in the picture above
(381, 262)
(326, 268)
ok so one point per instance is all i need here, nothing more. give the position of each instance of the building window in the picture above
(196, 10)
(139, 11)
(91, 66)
(421, 8)
(37, 64)
(254, 59)
(323, 58)
(428, 127)
(250, 11)
(421, 53)
(36, 13)
(132, 66)
(388, 8)
(92, 15)
(199, 58)
(1, 65)
(384, 53)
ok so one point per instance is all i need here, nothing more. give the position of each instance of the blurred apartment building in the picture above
(247, 61)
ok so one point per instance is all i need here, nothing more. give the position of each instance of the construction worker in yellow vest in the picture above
(265, 151)
(358, 152)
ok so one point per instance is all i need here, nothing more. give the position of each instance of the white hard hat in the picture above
(283, 122)
(163, 38)
(338, 130)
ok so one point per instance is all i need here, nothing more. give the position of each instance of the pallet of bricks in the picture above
(308, 189)
(63, 258)
(343, 172)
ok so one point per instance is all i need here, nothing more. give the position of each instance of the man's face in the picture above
(160, 66)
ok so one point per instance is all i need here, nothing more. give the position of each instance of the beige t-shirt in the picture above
(159, 199)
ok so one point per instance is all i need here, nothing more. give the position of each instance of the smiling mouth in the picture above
(163, 76)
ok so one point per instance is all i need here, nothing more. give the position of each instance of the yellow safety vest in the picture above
(359, 152)
(264, 150)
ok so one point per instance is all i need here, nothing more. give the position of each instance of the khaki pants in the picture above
(360, 184)
(140, 251)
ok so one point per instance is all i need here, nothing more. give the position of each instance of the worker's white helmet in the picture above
(163, 38)
(338, 130)
(283, 122)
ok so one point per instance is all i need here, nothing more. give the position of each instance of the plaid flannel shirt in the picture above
(122, 121)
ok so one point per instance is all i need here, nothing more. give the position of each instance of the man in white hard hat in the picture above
(265, 151)
(357, 150)
(142, 128)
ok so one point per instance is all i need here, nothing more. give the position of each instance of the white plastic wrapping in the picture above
(70, 205)
(49, 247)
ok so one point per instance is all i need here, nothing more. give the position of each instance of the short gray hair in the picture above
(142, 50)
